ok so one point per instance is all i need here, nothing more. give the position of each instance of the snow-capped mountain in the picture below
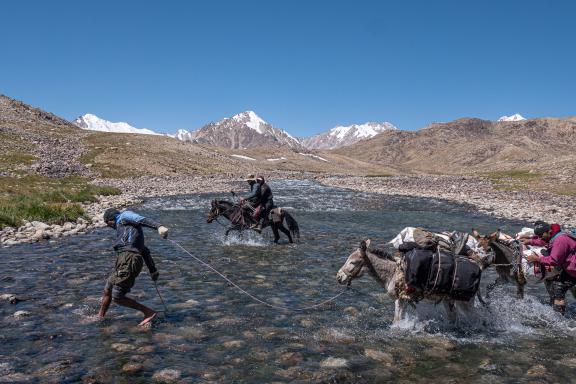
(346, 135)
(515, 117)
(244, 130)
(94, 123)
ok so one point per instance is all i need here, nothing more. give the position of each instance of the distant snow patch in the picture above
(278, 159)
(244, 157)
(314, 156)
(515, 117)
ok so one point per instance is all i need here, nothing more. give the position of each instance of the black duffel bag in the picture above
(441, 274)
(467, 276)
(418, 267)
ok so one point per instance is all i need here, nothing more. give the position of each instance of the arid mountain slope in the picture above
(37, 142)
(473, 145)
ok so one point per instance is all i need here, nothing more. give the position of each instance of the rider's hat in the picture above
(250, 177)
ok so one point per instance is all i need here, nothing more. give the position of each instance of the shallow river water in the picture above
(213, 333)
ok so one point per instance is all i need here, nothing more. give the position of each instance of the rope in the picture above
(249, 294)
(160, 296)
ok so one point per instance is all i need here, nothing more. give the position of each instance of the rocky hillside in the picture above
(244, 130)
(346, 135)
(37, 141)
(474, 145)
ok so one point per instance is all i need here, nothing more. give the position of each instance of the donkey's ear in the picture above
(364, 244)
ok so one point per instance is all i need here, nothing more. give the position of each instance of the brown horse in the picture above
(389, 274)
(241, 219)
(507, 260)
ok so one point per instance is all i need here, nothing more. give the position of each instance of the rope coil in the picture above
(280, 307)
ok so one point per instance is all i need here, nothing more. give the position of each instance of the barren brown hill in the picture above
(474, 145)
(37, 142)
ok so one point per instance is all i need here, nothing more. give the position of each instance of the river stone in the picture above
(537, 370)
(11, 298)
(21, 314)
(132, 368)
(334, 362)
(146, 349)
(233, 344)
(291, 358)
(383, 357)
(55, 367)
(40, 225)
(167, 376)
(121, 347)
(306, 323)
(68, 226)
(570, 362)
(351, 311)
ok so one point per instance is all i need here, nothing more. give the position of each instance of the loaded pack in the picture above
(436, 266)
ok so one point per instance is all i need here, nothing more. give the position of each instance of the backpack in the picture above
(425, 239)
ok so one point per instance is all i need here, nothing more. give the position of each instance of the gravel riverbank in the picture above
(479, 192)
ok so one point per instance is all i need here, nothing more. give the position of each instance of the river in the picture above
(213, 333)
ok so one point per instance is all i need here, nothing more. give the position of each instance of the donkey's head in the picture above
(355, 265)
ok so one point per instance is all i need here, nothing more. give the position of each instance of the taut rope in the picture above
(249, 294)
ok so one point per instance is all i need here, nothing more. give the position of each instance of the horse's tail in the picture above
(292, 225)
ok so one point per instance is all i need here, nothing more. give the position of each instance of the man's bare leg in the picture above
(106, 299)
(149, 314)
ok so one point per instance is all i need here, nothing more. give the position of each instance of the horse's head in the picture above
(483, 240)
(214, 212)
(355, 265)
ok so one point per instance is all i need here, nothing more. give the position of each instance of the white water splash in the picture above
(247, 238)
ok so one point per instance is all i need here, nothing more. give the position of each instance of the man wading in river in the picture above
(132, 252)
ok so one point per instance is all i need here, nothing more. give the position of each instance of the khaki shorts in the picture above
(128, 267)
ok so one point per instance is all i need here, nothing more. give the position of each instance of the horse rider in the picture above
(266, 202)
(561, 256)
(253, 198)
(131, 255)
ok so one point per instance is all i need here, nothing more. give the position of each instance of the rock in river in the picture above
(167, 376)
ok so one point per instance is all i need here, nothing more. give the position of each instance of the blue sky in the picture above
(304, 66)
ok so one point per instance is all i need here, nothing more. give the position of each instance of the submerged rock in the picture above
(381, 356)
(121, 347)
(334, 362)
(21, 314)
(132, 367)
(167, 376)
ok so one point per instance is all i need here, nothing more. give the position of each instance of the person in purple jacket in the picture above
(561, 256)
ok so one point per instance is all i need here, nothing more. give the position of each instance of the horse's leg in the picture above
(499, 280)
(450, 310)
(286, 232)
(399, 308)
(276, 234)
(520, 290)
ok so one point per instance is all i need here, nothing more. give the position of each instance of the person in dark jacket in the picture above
(131, 255)
(266, 202)
(255, 192)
